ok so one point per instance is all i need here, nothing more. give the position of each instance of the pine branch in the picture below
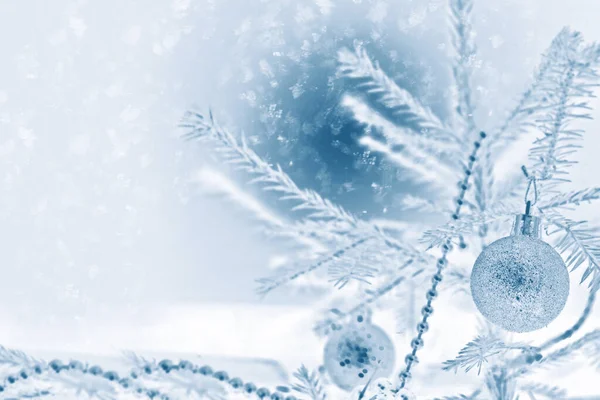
(574, 77)
(533, 100)
(214, 182)
(423, 158)
(351, 270)
(274, 179)
(466, 226)
(500, 384)
(472, 396)
(563, 354)
(357, 65)
(592, 337)
(287, 275)
(415, 167)
(578, 324)
(328, 233)
(549, 392)
(309, 384)
(415, 203)
(17, 358)
(372, 297)
(581, 244)
(523, 116)
(475, 354)
(569, 199)
(462, 70)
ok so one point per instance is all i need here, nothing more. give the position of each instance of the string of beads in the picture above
(427, 310)
(57, 366)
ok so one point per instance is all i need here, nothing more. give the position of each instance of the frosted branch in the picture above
(462, 70)
(570, 199)
(308, 383)
(357, 65)
(274, 179)
(581, 244)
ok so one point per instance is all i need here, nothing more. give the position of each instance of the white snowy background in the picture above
(105, 241)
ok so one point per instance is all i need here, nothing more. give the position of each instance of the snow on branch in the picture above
(589, 339)
(587, 311)
(286, 275)
(215, 182)
(467, 225)
(238, 153)
(549, 392)
(569, 199)
(464, 45)
(574, 77)
(372, 296)
(414, 168)
(329, 233)
(357, 65)
(581, 244)
(533, 100)
(16, 358)
(475, 354)
(423, 158)
(275, 179)
(308, 383)
(472, 396)
(416, 203)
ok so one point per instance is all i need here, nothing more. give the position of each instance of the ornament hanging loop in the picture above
(527, 224)
(531, 183)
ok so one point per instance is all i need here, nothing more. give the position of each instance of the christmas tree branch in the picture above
(309, 384)
(287, 275)
(561, 354)
(564, 200)
(462, 70)
(276, 180)
(533, 100)
(214, 182)
(571, 331)
(574, 76)
(467, 225)
(472, 396)
(475, 354)
(357, 65)
(421, 157)
(582, 245)
(374, 296)
(549, 392)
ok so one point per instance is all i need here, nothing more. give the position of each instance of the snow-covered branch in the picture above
(581, 244)
(357, 65)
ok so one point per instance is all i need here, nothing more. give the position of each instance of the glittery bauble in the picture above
(520, 283)
(356, 353)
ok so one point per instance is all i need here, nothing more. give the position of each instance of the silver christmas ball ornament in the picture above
(358, 352)
(519, 282)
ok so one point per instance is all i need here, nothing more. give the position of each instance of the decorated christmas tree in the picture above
(507, 243)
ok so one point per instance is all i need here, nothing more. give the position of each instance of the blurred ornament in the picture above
(357, 353)
(380, 389)
(519, 282)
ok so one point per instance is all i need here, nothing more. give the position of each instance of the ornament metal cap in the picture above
(527, 225)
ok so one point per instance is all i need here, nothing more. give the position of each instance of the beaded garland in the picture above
(427, 310)
(280, 393)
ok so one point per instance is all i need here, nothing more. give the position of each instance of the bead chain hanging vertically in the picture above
(427, 310)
